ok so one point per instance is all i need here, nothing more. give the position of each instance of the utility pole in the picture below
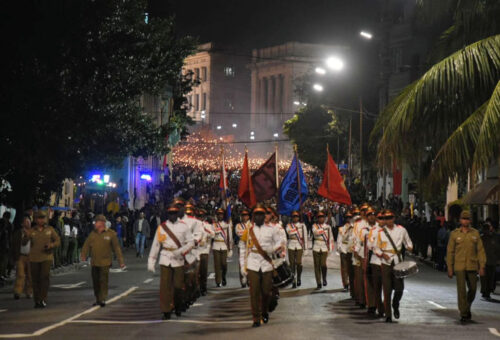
(361, 140)
(349, 161)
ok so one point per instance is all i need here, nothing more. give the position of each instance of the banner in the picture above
(333, 187)
(246, 191)
(293, 189)
(264, 180)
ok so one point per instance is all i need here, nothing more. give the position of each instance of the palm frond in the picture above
(488, 144)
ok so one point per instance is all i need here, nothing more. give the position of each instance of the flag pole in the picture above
(277, 174)
(298, 176)
(223, 174)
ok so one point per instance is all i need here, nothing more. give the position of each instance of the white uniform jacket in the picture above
(297, 236)
(323, 237)
(223, 239)
(164, 246)
(270, 241)
(399, 236)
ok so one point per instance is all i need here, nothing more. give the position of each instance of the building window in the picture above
(229, 101)
(197, 73)
(197, 102)
(204, 101)
(203, 74)
(229, 71)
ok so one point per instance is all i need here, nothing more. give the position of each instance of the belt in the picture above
(319, 239)
(392, 251)
(169, 249)
(220, 241)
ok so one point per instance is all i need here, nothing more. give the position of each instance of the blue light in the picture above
(146, 176)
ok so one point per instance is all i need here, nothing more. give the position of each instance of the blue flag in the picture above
(289, 189)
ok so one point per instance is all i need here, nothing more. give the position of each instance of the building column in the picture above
(277, 94)
(255, 92)
(262, 95)
(270, 94)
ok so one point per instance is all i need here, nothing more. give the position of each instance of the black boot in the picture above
(167, 316)
(224, 282)
(318, 286)
(299, 275)
(265, 317)
(294, 284)
(256, 324)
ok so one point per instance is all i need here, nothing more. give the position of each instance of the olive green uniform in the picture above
(43, 241)
(101, 246)
(465, 256)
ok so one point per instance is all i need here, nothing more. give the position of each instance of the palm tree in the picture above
(455, 106)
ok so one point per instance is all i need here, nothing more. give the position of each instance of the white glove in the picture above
(243, 272)
(244, 280)
(151, 267)
(177, 252)
(230, 253)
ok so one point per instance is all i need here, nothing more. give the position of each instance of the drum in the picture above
(283, 276)
(405, 269)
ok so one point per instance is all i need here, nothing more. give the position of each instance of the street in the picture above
(428, 310)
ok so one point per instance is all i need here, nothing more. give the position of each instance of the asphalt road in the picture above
(428, 310)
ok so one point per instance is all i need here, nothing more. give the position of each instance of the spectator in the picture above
(5, 241)
(119, 230)
(491, 242)
(442, 242)
(20, 254)
(141, 231)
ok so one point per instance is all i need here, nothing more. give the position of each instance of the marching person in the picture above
(259, 242)
(42, 239)
(21, 256)
(240, 230)
(172, 241)
(465, 256)
(297, 246)
(186, 214)
(141, 232)
(100, 246)
(272, 218)
(491, 244)
(388, 247)
(359, 231)
(344, 246)
(208, 234)
(323, 244)
(373, 274)
(222, 247)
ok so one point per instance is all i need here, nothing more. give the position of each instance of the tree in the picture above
(453, 108)
(71, 89)
(311, 128)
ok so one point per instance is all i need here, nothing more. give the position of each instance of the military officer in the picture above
(344, 246)
(373, 274)
(208, 234)
(186, 214)
(297, 246)
(465, 256)
(323, 244)
(100, 245)
(259, 242)
(173, 240)
(390, 256)
(240, 229)
(222, 247)
(360, 230)
(43, 240)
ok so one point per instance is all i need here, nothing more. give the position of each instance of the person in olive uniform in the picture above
(491, 243)
(465, 256)
(100, 245)
(43, 239)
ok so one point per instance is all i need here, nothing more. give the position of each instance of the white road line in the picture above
(3, 310)
(132, 322)
(148, 280)
(436, 305)
(69, 285)
(68, 320)
(494, 332)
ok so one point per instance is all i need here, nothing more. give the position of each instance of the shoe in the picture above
(43, 304)
(318, 286)
(294, 284)
(95, 304)
(380, 315)
(346, 288)
(38, 305)
(224, 283)
(167, 316)
(469, 316)
(463, 320)
(218, 285)
(265, 317)
(396, 312)
(324, 283)
(102, 304)
(203, 292)
(256, 324)
(178, 312)
(16, 296)
(299, 283)
(371, 310)
(388, 319)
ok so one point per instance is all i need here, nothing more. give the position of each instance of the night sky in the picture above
(261, 23)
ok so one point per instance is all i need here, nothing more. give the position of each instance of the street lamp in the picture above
(219, 127)
(275, 135)
(235, 125)
(296, 103)
(318, 87)
(320, 70)
(366, 35)
(335, 63)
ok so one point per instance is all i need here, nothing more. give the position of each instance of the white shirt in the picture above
(74, 232)
(372, 239)
(208, 234)
(269, 239)
(323, 238)
(382, 246)
(67, 230)
(344, 239)
(297, 233)
(223, 236)
(195, 228)
(164, 245)
(282, 233)
(139, 225)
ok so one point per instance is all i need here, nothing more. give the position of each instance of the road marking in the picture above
(69, 285)
(197, 304)
(436, 305)
(3, 310)
(148, 280)
(494, 332)
(68, 320)
(142, 322)
(118, 270)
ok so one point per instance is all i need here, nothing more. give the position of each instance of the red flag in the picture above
(397, 179)
(264, 180)
(245, 191)
(333, 187)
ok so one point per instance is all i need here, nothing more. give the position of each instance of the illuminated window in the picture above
(229, 71)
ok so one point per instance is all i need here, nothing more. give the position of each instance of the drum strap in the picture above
(259, 248)
(171, 234)
(393, 245)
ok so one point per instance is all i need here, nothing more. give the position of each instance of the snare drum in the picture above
(283, 277)
(405, 269)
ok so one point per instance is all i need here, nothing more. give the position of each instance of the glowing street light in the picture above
(296, 102)
(219, 127)
(335, 64)
(252, 133)
(366, 35)
(203, 116)
(235, 125)
(320, 70)
(252, 137)
(275, 135)
(318, 87)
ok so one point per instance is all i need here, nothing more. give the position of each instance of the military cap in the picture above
(40, 214)
(100, 218)
(173, 209)
(179, 201)
(370, 211)
(465, 215)
(245, 212)
(320, 214)
(259, 209)
(220, 211)
(295, 214)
